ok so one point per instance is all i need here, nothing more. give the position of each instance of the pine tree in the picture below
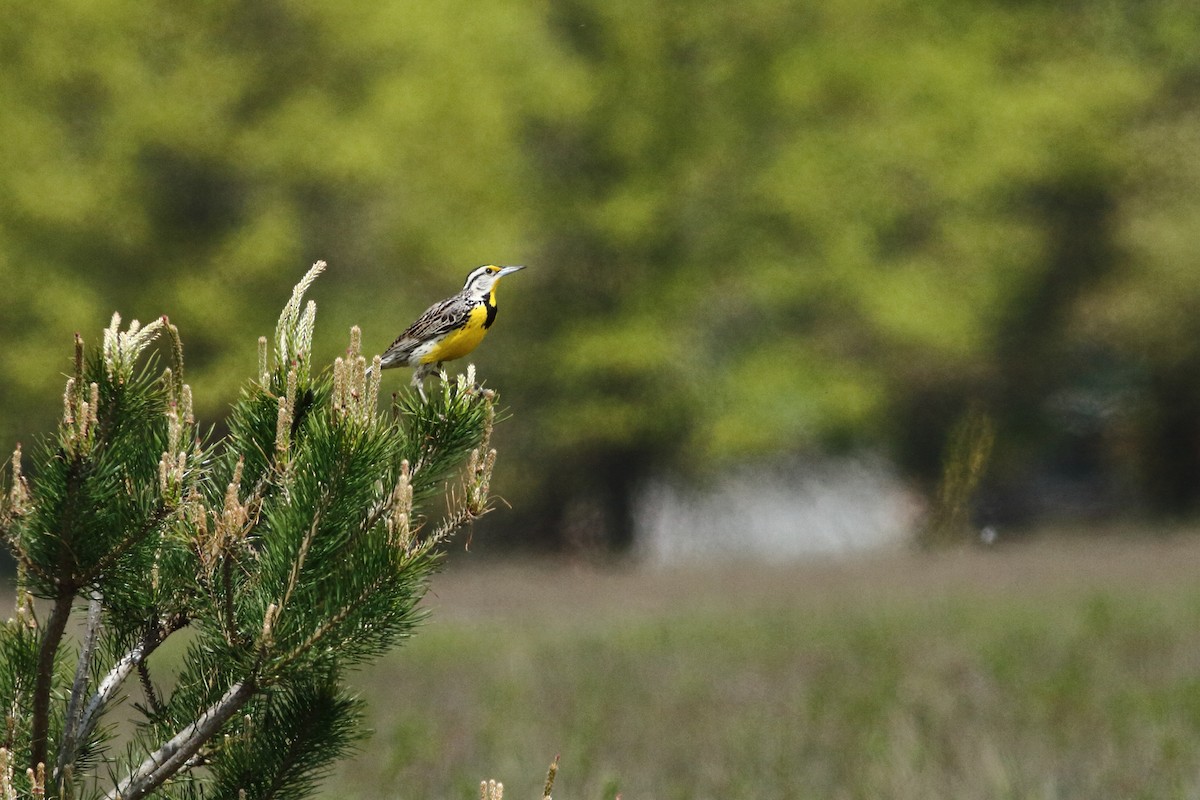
(285, 553)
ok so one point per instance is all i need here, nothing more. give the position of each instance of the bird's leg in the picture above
(418, 380)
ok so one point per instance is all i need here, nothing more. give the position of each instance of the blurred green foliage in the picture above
(753, 228)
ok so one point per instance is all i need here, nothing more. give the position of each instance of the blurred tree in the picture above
(754, 228)
(191, 157)
(1145, 311)
(789, 227)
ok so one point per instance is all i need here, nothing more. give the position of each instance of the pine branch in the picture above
(101, 566)
(301, 557)
(330, 624)
(295, 754)
(23, 558)
(174, 754)
(122, 509)
(230, 627)
(156, 706)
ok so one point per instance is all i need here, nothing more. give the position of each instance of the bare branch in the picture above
(111, 682)
(166, 760)
(70, 735)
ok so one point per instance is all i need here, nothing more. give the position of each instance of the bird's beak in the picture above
(508, 271)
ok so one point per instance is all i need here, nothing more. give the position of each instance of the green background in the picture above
(753, 229)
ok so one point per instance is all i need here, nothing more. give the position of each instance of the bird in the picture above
(449, 328)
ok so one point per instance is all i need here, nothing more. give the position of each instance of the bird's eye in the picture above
(493, 269)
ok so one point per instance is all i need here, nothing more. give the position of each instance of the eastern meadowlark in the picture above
(449, 328)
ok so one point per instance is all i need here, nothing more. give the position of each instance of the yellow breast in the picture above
(459, 342)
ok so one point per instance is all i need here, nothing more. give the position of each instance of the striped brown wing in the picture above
(438, 320)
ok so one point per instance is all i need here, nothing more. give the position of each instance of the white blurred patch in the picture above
(805, 508)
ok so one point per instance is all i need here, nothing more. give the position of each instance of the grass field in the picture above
(1062, 668)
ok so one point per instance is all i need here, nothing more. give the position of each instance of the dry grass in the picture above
(1067, 668)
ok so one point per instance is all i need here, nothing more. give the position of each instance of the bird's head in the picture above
(482, 280)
